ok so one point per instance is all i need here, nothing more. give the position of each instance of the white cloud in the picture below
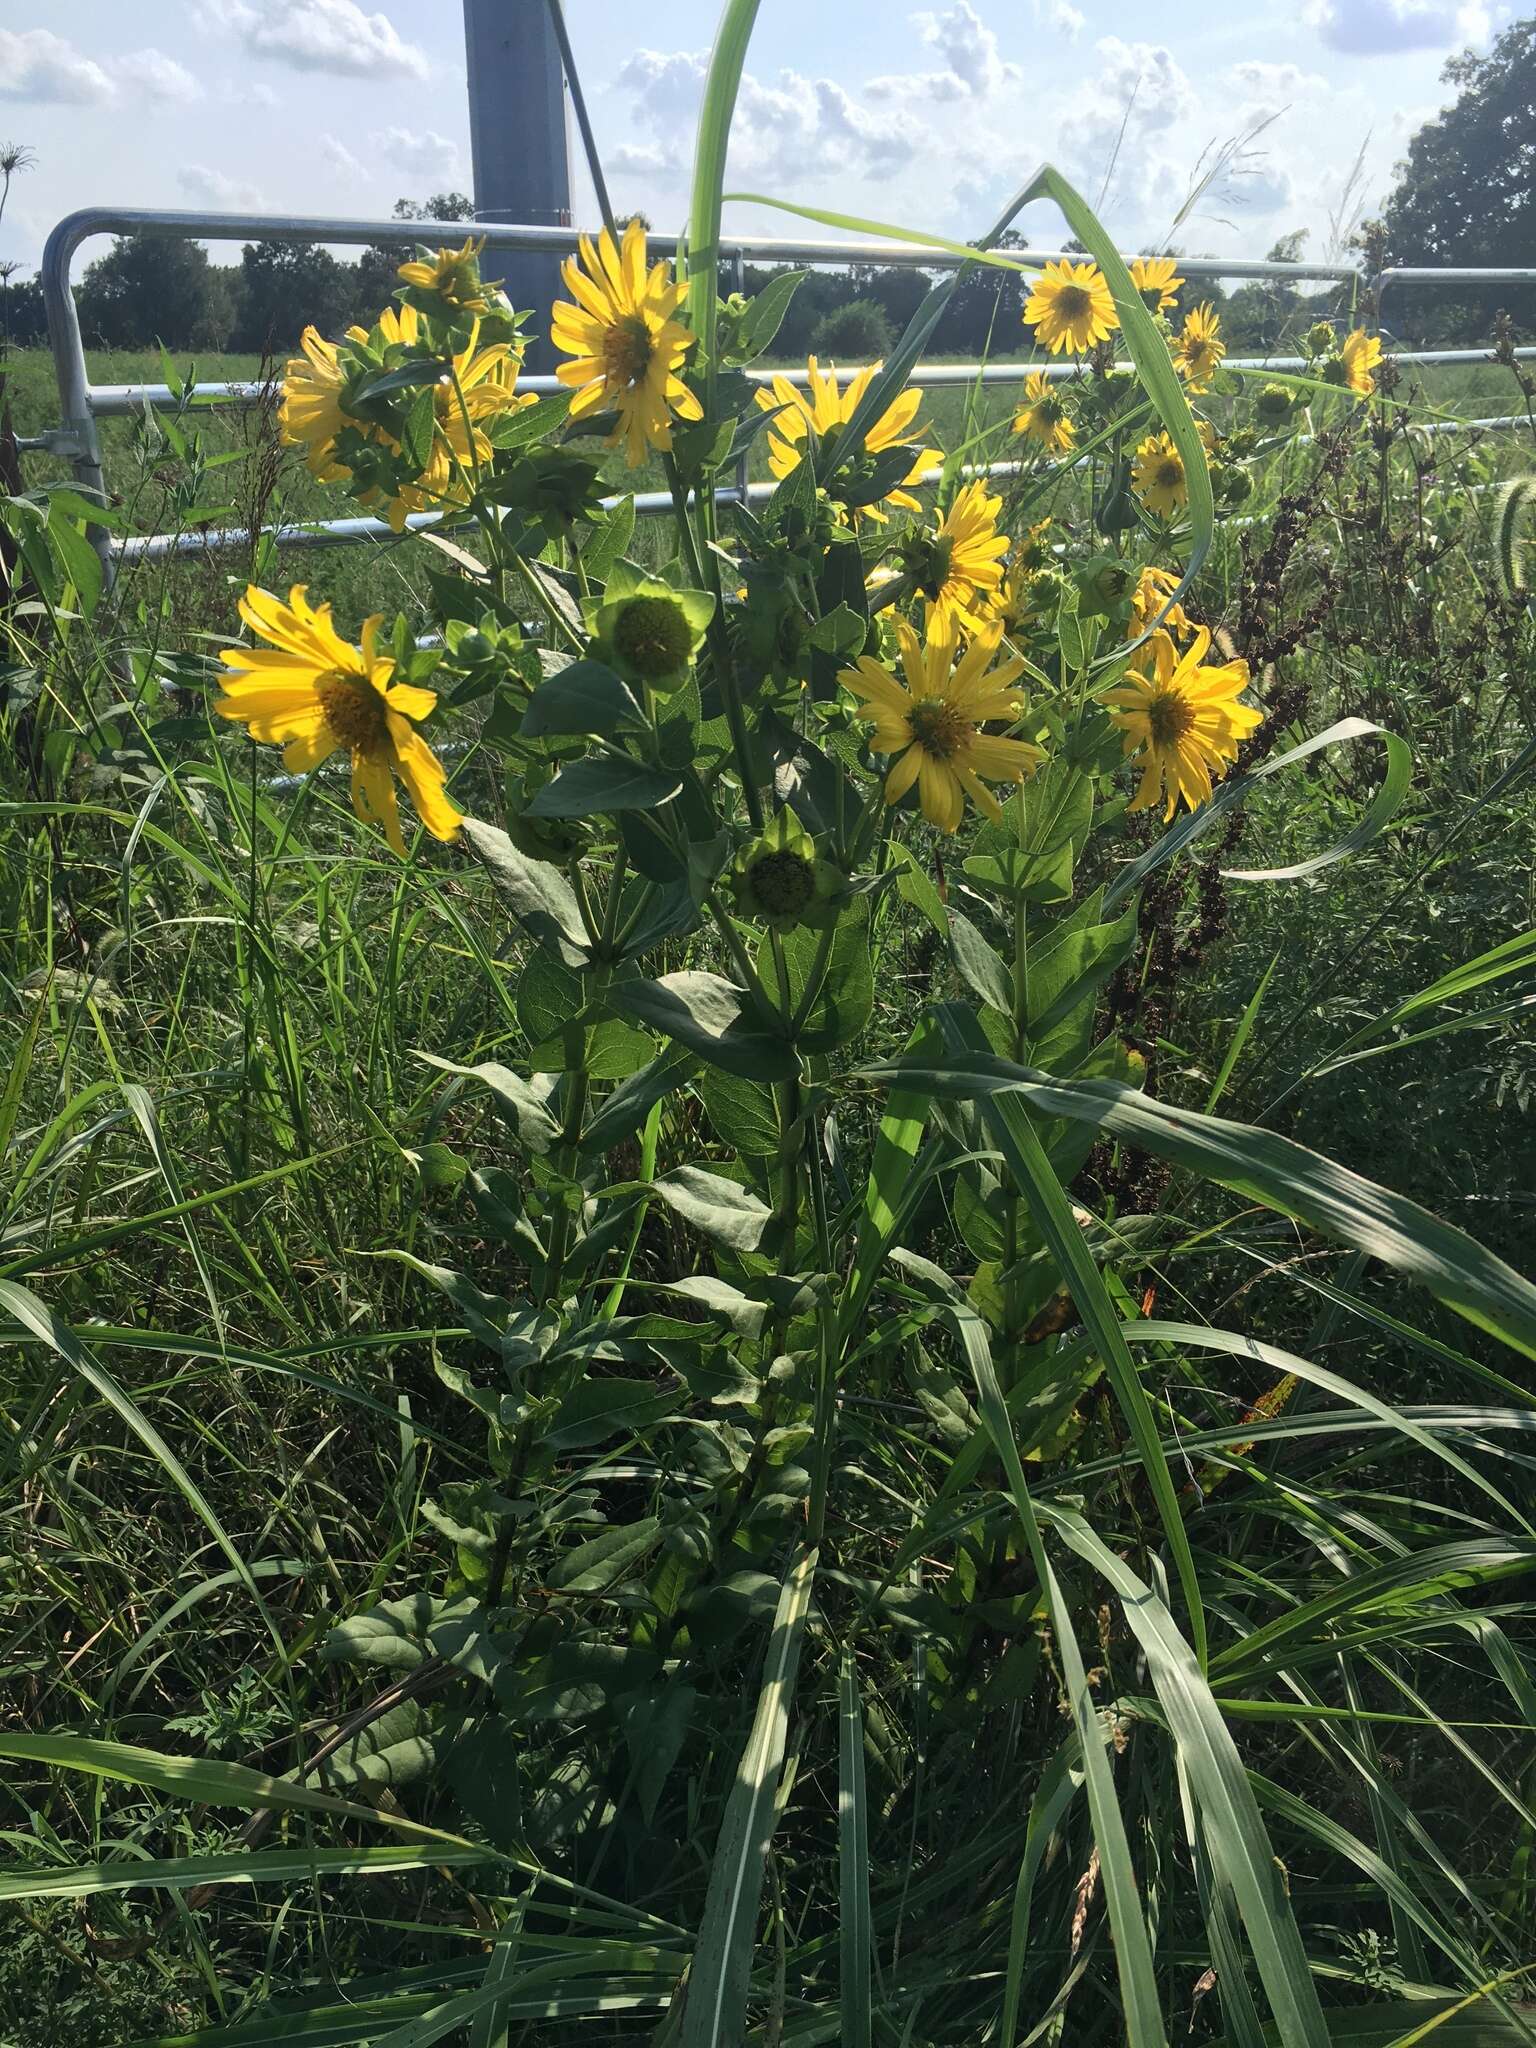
(427, 155)
(797, 127)
(217, 192)
(974, 68)
(968, 47)
(1062, 16)
(343, 162)
(322, 35)
(152, 75)
(37, 65)
(1372, 28)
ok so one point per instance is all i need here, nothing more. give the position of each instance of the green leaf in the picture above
(526, 1112)
(600, 784)
(765, 315)
(197, 1778)
(724, 1211)
(627, 1108)
(393, 1634)
(252, 1866)
(541, 898)
(711, 1017)
(595, 1410)
(845, 1001)
(584, 697)
(81, 562)
(716, 2008)
(742, 1113)
(979, 965)
(596, 1566)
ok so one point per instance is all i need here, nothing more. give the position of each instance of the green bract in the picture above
(779, 880)
(647, 630)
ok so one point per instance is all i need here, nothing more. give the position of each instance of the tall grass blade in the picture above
(854, 1933)
(710, 147)
(715, 2014)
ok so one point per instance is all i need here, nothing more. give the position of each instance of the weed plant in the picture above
(809, 1327)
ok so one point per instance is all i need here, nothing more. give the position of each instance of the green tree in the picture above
(856, 333)
(1466, 193)
(150, 290)
(286, 287)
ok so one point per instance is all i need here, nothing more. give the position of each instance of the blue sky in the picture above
(928, 116)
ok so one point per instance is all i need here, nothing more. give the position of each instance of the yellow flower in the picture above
(454, 275)
(627, 348)
(1360, 354)
(482, 387)
(1200, 348)
(932, 725)
(1157, 279)
(1189, 719)
(1153, 588)
(959, 568)
(824, 409)
(1157, 476)
(310, 415)
(314, 693)
(1070, 307)
(1043, 417)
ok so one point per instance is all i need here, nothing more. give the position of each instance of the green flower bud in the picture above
(1103, 585)
(779, 881)
(1237, 486)
(1319, 339)
(648, 631)
(1274, 403)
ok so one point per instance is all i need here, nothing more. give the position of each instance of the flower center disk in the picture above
(1170, 718)
(354, 712)
(1073, 303)
(783, 883)
(627, 350)
(938, 728)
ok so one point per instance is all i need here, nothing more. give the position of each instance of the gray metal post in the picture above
(519, 145)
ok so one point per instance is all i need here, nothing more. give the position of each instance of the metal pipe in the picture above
(350, 231)
(648, 505)
(80, 401)
(108, 400)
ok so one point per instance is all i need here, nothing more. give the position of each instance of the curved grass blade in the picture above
(1236, 790)
(256, 1866)
(1265, 1168)
(1234, 1344)
(711, 143)
(1144, 343)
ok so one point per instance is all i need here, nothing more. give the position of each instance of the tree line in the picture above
(1466, 195)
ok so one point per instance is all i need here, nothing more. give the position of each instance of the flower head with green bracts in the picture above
(780, 881)
(452, 276)
(647, 631)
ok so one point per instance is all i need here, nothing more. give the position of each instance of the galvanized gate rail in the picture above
(83, 403)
